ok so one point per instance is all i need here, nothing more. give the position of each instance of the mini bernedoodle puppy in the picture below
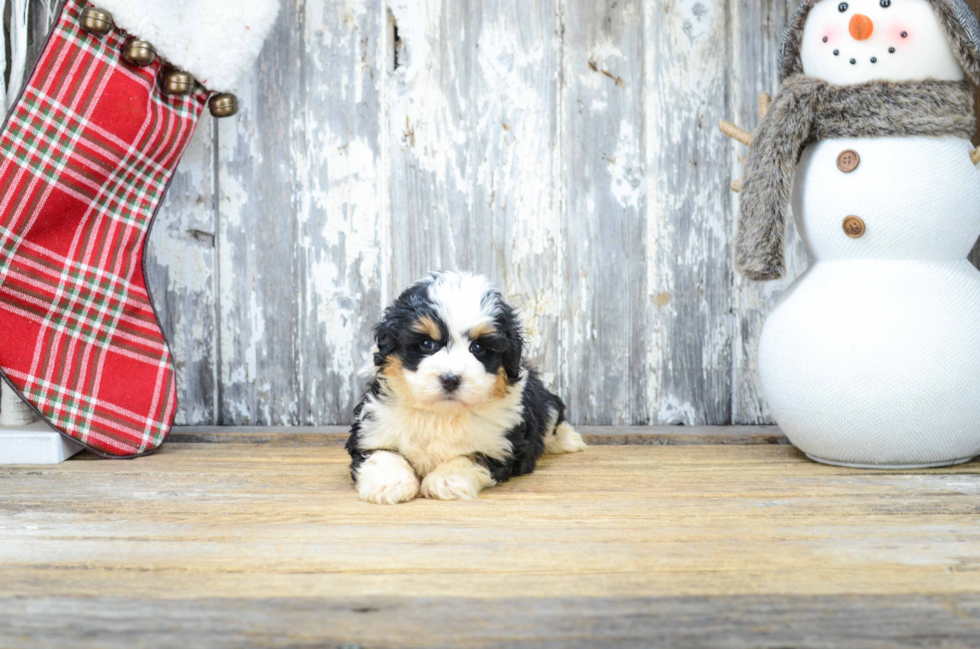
(451, 408)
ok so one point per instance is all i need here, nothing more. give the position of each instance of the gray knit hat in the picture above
(958, 21)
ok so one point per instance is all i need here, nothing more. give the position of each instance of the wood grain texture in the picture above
(474, 153)
(605, 203)
(594, 435)
(687, 328)
(301, 225)
(734, 622)
(756, 33)
(42, 14)
(701, 541)
(180, 275)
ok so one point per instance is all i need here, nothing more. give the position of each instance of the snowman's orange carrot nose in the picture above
(861, 27)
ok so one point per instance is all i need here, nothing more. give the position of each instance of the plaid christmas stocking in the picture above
(86, 155)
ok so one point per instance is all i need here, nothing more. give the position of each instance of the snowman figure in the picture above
(872, 357)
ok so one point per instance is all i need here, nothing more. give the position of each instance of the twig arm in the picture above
(736, 133)
(743, 136)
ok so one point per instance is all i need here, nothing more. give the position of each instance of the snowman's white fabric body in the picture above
(872, 357)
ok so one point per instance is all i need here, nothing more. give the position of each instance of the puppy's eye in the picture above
(885, 3)
(842, 7)
(477, 348)
(428, 345)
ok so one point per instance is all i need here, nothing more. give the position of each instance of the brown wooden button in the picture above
(848, 161)
(854, 227)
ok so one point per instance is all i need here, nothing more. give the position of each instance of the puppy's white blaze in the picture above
(386, 479)
(459, 299)
(564, 439)
(459, 479)
(427, 439)
(475, 389)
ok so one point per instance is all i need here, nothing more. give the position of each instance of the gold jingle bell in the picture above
(139, 52)
(177, 82)
(223, 105)
(96, 21)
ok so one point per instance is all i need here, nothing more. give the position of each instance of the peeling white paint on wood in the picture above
(301, 223)
(473, 153)
(756, 33)
(566, 148)
(605, 200)
(180, 265)
(687, 304)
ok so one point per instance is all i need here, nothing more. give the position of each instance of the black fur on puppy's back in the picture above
(542, 413)
(357, 454)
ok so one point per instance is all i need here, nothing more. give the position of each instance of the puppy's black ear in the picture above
(397, 317)
(385, 335)
(510, 326)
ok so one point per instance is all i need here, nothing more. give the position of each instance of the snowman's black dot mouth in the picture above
(836, 52)
(853, 61)
(874, 59)
(891, 50)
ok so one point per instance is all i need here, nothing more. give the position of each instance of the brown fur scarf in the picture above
(808, 109)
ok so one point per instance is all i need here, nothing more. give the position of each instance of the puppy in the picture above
(451, 408)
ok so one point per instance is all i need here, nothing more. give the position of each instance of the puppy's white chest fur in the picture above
(427, 439)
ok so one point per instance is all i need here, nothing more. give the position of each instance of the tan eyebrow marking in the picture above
(480, 330)
(426, 325)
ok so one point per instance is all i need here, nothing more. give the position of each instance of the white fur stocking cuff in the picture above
(215, 40)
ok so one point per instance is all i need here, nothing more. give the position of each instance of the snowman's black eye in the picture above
(885, 3)
(842, 7)
(836, 52)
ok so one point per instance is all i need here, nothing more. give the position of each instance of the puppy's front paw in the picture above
(386, 479)
(459, 479)
(449, 487)
(564, 439)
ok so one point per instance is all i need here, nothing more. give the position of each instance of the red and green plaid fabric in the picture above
(85, 158)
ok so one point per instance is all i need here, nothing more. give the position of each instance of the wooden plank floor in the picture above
(264, 544)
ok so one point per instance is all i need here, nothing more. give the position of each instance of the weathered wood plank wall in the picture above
(566, 148)
(756, 30)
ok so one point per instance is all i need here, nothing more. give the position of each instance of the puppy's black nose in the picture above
(450, 382)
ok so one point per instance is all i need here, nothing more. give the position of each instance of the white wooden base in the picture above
(34, 443)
